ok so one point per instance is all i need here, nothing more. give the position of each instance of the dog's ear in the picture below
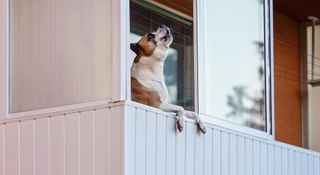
(135, 48)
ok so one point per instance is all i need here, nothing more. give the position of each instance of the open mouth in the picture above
(164, 35)
(166, 32)
(164, 38)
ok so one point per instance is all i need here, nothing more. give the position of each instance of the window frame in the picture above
(119, 25)
(198, 16)
(269, 73)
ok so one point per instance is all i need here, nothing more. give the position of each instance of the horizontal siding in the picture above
(160, 149)
(76, 143)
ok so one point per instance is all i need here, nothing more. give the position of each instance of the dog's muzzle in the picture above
(164, 32)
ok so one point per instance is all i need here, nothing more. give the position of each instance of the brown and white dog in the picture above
(147, 79)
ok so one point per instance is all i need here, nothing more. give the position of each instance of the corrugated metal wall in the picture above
(154, 148)
(137, 140)
(82, 143)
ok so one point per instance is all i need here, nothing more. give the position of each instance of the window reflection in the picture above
(233, 76)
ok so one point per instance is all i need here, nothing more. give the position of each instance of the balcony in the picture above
(127, 138)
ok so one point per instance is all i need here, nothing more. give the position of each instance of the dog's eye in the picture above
(151, 36)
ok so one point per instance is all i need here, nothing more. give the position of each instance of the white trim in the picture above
(128, 63)
(4, 51)
(235, 127)
(272, 70)
(120, 15)
(200, 21)
(267, 70)
(196, 54)
(268, 47)
(61, 110)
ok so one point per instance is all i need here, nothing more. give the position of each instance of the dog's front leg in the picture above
(198, 120)
(179, 113)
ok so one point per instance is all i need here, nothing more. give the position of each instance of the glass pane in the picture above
(233, 78)
(60, 52)
(147, 16)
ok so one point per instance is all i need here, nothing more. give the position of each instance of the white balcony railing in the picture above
(127, 138)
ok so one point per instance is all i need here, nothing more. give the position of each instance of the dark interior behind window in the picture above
(179, 66)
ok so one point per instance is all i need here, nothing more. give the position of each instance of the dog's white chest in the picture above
(152, 80)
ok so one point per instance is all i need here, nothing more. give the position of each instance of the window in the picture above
(147, 16)
(232, 57)
(234, 62)
(60, 53)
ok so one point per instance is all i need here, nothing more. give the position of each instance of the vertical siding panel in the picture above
(72, 135)
(151, 144)
(297, 163)
(216, 164)
(277, 161)
(304, 163)
(284, 160)
(117, 140)
(181, 152)
(225, 153)
(141, 121)
(130, 127)
(198, 153)
(86, 143)
(208, 152)
(317, 166)
(42, 135)
(291, 162)
(271, 168)
(241, 155)
(12, 148)
(101, 141)
(190, 148)
(233, 154)
(310, 165)
(249, 156)
(2, 151)
(57, 150)
(27, 147)
(263, 158)
(171, 146)
(161, 144)
(256, 157)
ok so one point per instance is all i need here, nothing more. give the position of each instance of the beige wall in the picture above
(60, 52)
(313, 92)
(314, 118)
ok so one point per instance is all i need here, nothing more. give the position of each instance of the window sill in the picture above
(61, 110)
(212, 121)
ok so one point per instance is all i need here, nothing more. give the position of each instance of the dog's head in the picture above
(154, 45)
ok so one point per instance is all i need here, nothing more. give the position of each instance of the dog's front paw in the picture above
(180, 123)
(202, 126)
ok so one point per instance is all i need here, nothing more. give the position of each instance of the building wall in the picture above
(288, 122)
(314, 118)
(314, 91)
(155, 147)
(84, 141)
